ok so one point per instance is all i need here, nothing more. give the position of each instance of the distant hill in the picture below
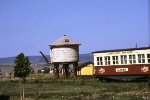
(85, 57)
(40, 60)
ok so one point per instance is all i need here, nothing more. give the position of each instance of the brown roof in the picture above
(84, 64)
(64, 40)
(116, 50)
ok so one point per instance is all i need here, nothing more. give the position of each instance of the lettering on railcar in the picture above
(121, 69)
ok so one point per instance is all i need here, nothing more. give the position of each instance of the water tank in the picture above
(64, 50)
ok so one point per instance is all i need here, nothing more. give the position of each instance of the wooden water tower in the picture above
(64, 51)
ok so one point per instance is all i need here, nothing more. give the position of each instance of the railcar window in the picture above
(141, 58)
(115, 59)
(148, 58)
(132, 59)
(97, 60)
(101, 61)
(123, 59)
(107, 60)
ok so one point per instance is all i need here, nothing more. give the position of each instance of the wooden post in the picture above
(20, 89)
(23, 91)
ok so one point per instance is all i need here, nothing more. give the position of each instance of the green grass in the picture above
(45, 87)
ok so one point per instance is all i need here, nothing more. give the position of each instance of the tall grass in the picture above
(45, 87)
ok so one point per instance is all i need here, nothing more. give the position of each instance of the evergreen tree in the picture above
(22, 69)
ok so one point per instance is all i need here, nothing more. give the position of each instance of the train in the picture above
(124, 64)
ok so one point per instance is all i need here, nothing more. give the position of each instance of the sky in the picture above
(29, 26)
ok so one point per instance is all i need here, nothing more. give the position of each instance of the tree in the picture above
(22, 69)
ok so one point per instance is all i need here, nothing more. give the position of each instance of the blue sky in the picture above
(29, 26)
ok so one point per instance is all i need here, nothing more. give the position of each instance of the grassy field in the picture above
(44, 87)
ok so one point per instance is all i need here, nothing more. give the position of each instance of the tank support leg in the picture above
(75, 69)
(66, 71)
(56, 71)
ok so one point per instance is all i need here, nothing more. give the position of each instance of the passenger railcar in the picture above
(122, 63)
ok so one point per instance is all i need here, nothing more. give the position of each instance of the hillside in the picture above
(40, 60)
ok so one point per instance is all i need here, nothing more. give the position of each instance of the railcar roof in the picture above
(116, 50)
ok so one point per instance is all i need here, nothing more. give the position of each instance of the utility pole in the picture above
(149, 22)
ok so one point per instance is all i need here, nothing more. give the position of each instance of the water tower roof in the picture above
(64, 40)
